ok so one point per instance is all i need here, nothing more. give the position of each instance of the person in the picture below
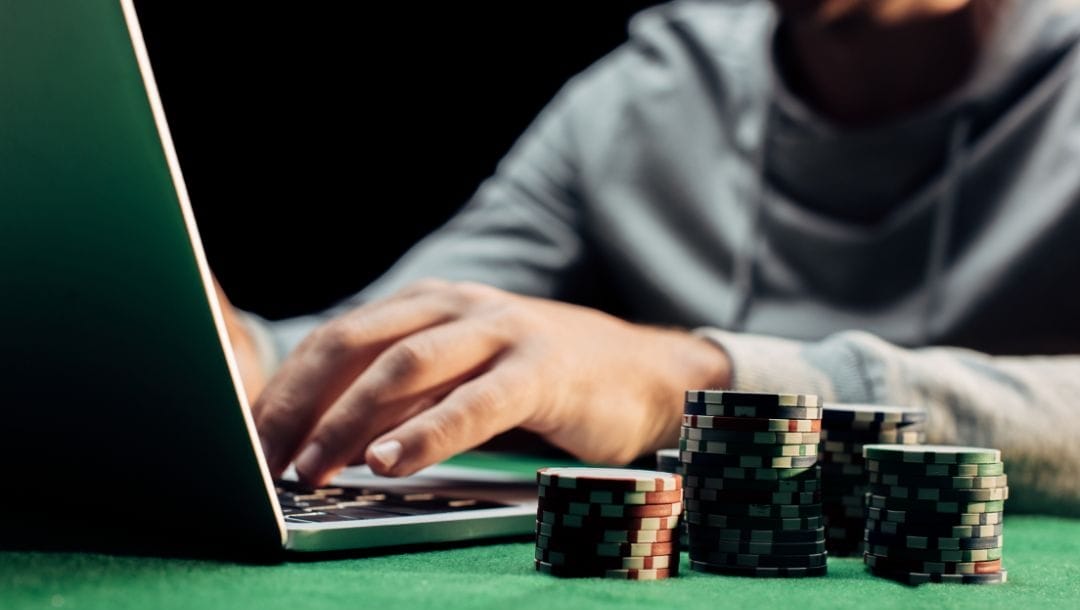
(874, 201)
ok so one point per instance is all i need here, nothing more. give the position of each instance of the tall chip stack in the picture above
(934, 513)
(608, 522)
(845, 429)
(752, 483)
(667, 460)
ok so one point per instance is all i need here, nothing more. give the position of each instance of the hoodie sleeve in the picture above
(1025, 406)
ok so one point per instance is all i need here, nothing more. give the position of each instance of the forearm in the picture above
(1027, 407)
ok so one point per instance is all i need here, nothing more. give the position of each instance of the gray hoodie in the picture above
(679, 180)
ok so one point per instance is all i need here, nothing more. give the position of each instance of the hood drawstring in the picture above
(942, 232)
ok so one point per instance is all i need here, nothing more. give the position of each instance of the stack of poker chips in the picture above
(845, 429)
(667, 460)
(608, 522)
(752, 487)
(934, 513)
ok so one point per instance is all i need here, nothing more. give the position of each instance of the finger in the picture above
(467, 417)
(328, 362)
(416, 366)
(378, 322)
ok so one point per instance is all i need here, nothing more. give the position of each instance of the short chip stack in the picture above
(752, 486)
(934, 513)
(608, 522)
(667, 460)
(845, 429)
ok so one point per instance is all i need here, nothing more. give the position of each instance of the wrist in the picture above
(708, 365)
(694, 362)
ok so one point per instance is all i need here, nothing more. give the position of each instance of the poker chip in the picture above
(752, 487)
(933, 530)
(752, 399)
(939, 494)
(604, 535)
(932, 567)
(742, 449)
(922, 506)
(759, 412)
(934, 513)
(919, 578)
(901, 468)
(849, 414)
(600, 572)
(941, 555)
(693, 458)
(940, 482)
(744, 509)
(629, 562)
(725, 425)
(810, 482)
(667, 460)
(607, 523)
(907, 435)
(753, 523)
(747, 560)
(613, 511)
(757, 497)
(610, 479)
(747, 438)
(700, 566)
(846, 430)
(737, 473)
(579, 521)
(703, 533)
(932, 454)
(604, 549)
(932, 543)
(763, 548)
(934, 518)
(601, 496)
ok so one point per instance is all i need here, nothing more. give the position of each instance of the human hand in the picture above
(247, 358)
(440, 367)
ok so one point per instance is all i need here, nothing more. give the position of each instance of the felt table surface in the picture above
(1042, 555)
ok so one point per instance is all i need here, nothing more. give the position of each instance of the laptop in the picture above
(122, 423)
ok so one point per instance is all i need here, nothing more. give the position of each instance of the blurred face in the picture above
(882, 12)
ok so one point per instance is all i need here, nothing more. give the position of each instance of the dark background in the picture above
(320, 140)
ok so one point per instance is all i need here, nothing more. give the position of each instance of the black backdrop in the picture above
(319, 140)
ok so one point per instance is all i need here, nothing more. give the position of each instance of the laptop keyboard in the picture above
(306, 505)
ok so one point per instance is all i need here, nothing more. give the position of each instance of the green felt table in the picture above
(1042, 555)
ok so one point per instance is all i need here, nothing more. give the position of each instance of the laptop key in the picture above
(316, 518)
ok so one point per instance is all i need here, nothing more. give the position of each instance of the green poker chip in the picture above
(932, 454)
(894, 467)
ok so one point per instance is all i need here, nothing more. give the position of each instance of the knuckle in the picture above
(484, 401)
(473, 293)
(334, 439)
(407, 358)
(332, 339)
(276, 415)
(427, 284)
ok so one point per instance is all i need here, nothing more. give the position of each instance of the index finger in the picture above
(327, 363)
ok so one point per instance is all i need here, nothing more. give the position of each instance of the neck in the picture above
(858, 71)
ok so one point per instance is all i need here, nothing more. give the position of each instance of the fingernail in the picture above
(310, 461)
(266, 449)
(387, 453)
